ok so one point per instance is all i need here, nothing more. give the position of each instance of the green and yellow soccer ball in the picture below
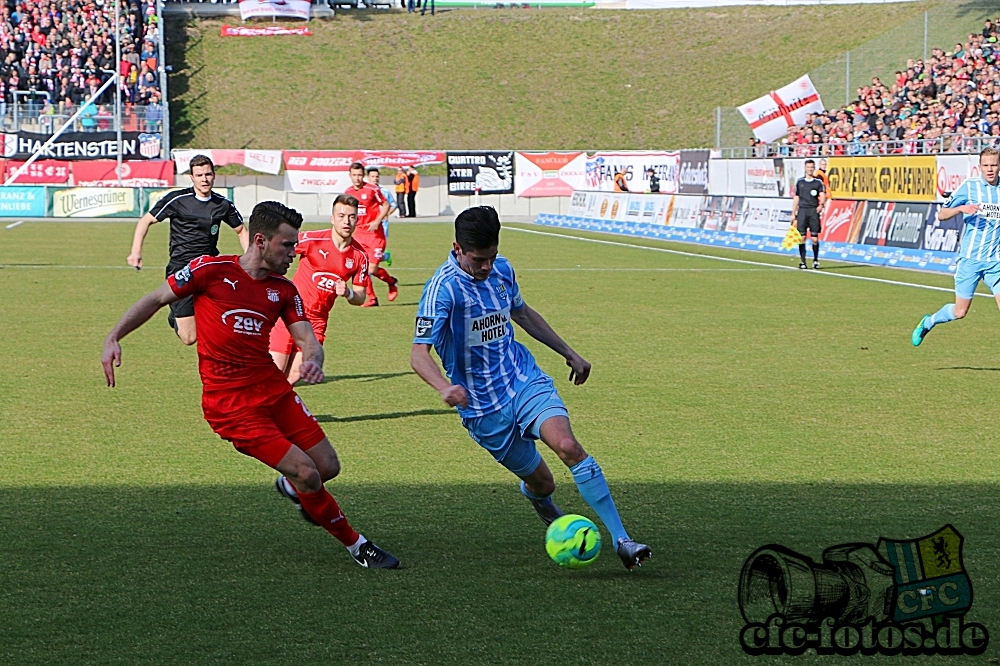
(573, 541)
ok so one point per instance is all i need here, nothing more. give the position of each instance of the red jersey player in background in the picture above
(245, 398)
(330, 257)
(372, 209)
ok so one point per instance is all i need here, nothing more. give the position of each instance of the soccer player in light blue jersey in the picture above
(506, 402)
(979, 254)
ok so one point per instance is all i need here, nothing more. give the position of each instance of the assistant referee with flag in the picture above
(807, 206)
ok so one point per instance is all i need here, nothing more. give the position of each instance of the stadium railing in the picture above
(946, 144)
(42, 119)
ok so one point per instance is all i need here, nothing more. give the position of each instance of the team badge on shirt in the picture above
(424, 326)
(273, 295)
(349, 263)
(182, 276)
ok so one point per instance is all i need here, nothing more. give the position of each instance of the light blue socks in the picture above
(942, 316)
(594, 489)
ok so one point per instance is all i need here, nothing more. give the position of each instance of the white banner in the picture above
(297, 9)
(770, 116)
(549, 174)
(264, 161)
(766, 217)
(602, 167)
(686, 211)
(952, 170)
(321, 182)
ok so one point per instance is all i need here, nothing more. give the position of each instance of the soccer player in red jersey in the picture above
(330, 257)
(372, 209)
(245, 398)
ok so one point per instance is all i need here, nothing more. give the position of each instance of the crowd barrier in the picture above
(885, 233)
(70, 202)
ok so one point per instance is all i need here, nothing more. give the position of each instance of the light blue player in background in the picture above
(505, 400)
(979, 254)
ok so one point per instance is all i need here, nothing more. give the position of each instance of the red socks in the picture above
(322, 508)
(383, 275)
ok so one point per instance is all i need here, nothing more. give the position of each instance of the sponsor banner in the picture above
(892, 223)
(841, 219)
(953, 170)
(692, 177)
(150, 195)
(685, 211)
(145, 173)
(93, 202)
(264, 161)
(401, 158)
(296, 9)
(941, 236)
(21, 201)
(765, 178)
(766, 217)
(920, 259)
(490, 172)
(83, 145)
(341, 160)
(269, 31)
(602, 167)
(323, 182)
(770, 116)
(895, 177)
(40, 172)
(549, 174)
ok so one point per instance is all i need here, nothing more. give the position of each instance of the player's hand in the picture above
(374, 226)
(340, 288)
(135, 260)
(111, 359)
(969, 209)
(579, 369)
(311, 373)
(455, 396)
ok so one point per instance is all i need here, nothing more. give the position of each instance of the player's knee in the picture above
(307, 478)
(569, 450)
(331, 469)
(188, 337)
(960, 312)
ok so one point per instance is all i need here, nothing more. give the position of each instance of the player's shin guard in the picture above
(383, 275)
(594, 489)
(322, 508)
(802, 251)
(816, 251)
(942, 316)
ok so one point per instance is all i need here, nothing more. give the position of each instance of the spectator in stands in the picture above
(88, 117)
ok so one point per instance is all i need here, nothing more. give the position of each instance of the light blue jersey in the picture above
(981, 234)
(468, 322)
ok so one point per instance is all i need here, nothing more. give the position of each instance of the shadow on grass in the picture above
(374, 377)
(328, 418)
(969, 367)
(199, 574)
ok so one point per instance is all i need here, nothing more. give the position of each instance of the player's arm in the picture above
(454, 395)
(311, 370)
(822, 201)
(383, 211)
(536, 326)
(235, 220)
(141, 228)
(353, 296)
(795, 204)
(956, 204)
(244, 235)
(134, 317)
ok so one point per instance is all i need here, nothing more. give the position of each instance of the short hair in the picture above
(357, 165)
(477, 228)
(809, 162)
(268, 216)
(989, 150)
(201, 160)
(345, 199)
(372, 168)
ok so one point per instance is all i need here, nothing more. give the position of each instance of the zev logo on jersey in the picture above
(489, 328)
(245, 322)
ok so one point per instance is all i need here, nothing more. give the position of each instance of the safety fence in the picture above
(70, 202)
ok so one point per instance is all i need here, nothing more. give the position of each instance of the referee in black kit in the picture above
(807, 205)
(195, 213)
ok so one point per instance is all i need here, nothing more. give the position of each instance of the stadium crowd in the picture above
(951, 103)
(55, 54)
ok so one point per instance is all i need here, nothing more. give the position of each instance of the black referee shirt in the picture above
(808, 191)
(194, 223)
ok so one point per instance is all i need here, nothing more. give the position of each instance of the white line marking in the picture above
(15, 224)
(740, 261)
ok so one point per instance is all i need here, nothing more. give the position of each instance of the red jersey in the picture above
(322, 264)
(370, 200)
(234, 314)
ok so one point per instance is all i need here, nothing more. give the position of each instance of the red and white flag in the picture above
(771, 115)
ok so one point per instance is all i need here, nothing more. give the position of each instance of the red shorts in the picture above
(265, 432)
(374, 247)
(281, 340)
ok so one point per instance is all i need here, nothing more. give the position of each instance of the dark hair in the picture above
(477, 228)
(810, 162)
(372, 168)
(357, 165)
(201, 160)
(345, 199)
(268, 216)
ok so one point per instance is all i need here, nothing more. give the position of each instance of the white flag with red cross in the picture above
(771, 115)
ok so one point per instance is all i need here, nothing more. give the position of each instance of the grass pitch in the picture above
(550, 79)
(730, 405)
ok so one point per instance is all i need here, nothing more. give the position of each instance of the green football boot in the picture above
(920, 331)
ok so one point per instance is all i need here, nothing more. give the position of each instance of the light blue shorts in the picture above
(509, 434)
(970, 272)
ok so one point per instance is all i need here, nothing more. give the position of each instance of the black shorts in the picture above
(808, 218)
(185, 306)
